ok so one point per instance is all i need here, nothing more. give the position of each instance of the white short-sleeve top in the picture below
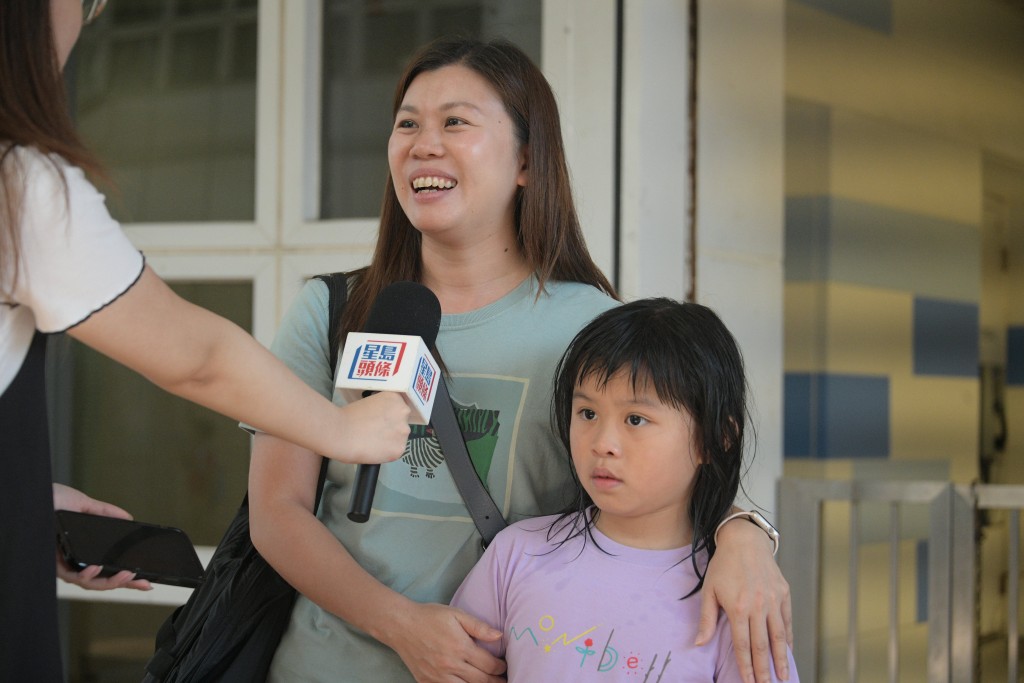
(74, 259)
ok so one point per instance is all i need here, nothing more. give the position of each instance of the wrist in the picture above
(755, 521)
(398, 617)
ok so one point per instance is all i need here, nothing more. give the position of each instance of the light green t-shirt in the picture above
(420, 539)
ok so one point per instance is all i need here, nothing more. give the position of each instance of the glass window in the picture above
(165, 92)
(365, 46)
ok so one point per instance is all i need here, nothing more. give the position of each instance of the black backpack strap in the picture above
(481, 506)
(337, 288)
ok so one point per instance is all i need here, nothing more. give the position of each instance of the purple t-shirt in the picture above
(582, 613)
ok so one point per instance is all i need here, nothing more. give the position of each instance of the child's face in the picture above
(634, 455)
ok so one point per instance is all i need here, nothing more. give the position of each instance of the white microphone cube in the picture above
(390, 362)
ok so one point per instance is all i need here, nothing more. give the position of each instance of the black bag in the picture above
(231, 625)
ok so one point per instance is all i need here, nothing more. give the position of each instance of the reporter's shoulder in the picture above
(32, 165)
(33, 162)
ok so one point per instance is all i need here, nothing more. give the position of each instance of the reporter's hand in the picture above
(67, 498)
(744, 581)
(377, 428)
(436, 643)
(89, 578)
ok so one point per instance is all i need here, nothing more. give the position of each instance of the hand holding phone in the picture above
(159, 554)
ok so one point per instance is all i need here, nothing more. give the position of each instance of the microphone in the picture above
(393, 354)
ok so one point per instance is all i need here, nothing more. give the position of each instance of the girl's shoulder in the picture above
(536, 533)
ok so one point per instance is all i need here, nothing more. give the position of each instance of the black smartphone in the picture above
(160, 554)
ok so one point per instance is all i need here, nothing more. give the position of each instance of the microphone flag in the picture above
(372, 361)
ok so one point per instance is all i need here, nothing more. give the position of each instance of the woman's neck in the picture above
(467, 278)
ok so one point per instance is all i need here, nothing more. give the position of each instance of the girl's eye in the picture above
(405, 124)
(587, 414)
(636, 420)
(453, 121)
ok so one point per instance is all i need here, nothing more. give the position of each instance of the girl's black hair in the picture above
(686, 353)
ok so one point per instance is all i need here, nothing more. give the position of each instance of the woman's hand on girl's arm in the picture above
(744, 581)
(436, 643)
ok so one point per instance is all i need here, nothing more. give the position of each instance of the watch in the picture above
(757, 519)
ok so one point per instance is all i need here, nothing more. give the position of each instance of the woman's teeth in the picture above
(432, 184)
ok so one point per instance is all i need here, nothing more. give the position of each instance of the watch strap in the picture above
(758, 520)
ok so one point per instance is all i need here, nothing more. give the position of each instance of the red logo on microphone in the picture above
(377, 361)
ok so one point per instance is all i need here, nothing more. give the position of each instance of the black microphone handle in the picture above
(362, 493)
(403, 308)
(366, 485)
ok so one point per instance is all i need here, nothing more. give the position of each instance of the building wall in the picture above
(895, 111)
(892, 107)
(882, 290)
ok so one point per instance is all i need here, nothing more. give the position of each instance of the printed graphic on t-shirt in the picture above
(595, 649)
(487, 409)
(479, 428)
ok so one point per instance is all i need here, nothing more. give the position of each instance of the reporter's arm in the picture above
(744, 580)
(202, 357)
(434, 641)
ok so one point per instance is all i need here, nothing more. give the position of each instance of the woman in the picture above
(65, 265)
(478, 208)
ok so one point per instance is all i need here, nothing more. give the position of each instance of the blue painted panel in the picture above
(1015, 356)
(876, 14)
(807, 241)
(835, 416)
(797, 411)
(883, 247)
(853, 417)
(945, 338)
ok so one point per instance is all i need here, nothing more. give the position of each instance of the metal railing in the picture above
(952, 647)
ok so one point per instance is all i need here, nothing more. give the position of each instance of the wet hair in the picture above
(685, 353)
(34, 111)
(547, 226)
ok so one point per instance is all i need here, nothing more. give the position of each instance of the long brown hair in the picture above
(34, 112)
(547, 227)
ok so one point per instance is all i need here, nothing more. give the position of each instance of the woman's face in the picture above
(454, 158)
(66, 17)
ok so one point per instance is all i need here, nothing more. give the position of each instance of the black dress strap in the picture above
(29, 637)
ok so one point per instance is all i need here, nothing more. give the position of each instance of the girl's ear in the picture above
(732, 434)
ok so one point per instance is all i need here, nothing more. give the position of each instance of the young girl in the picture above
(649, 401)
